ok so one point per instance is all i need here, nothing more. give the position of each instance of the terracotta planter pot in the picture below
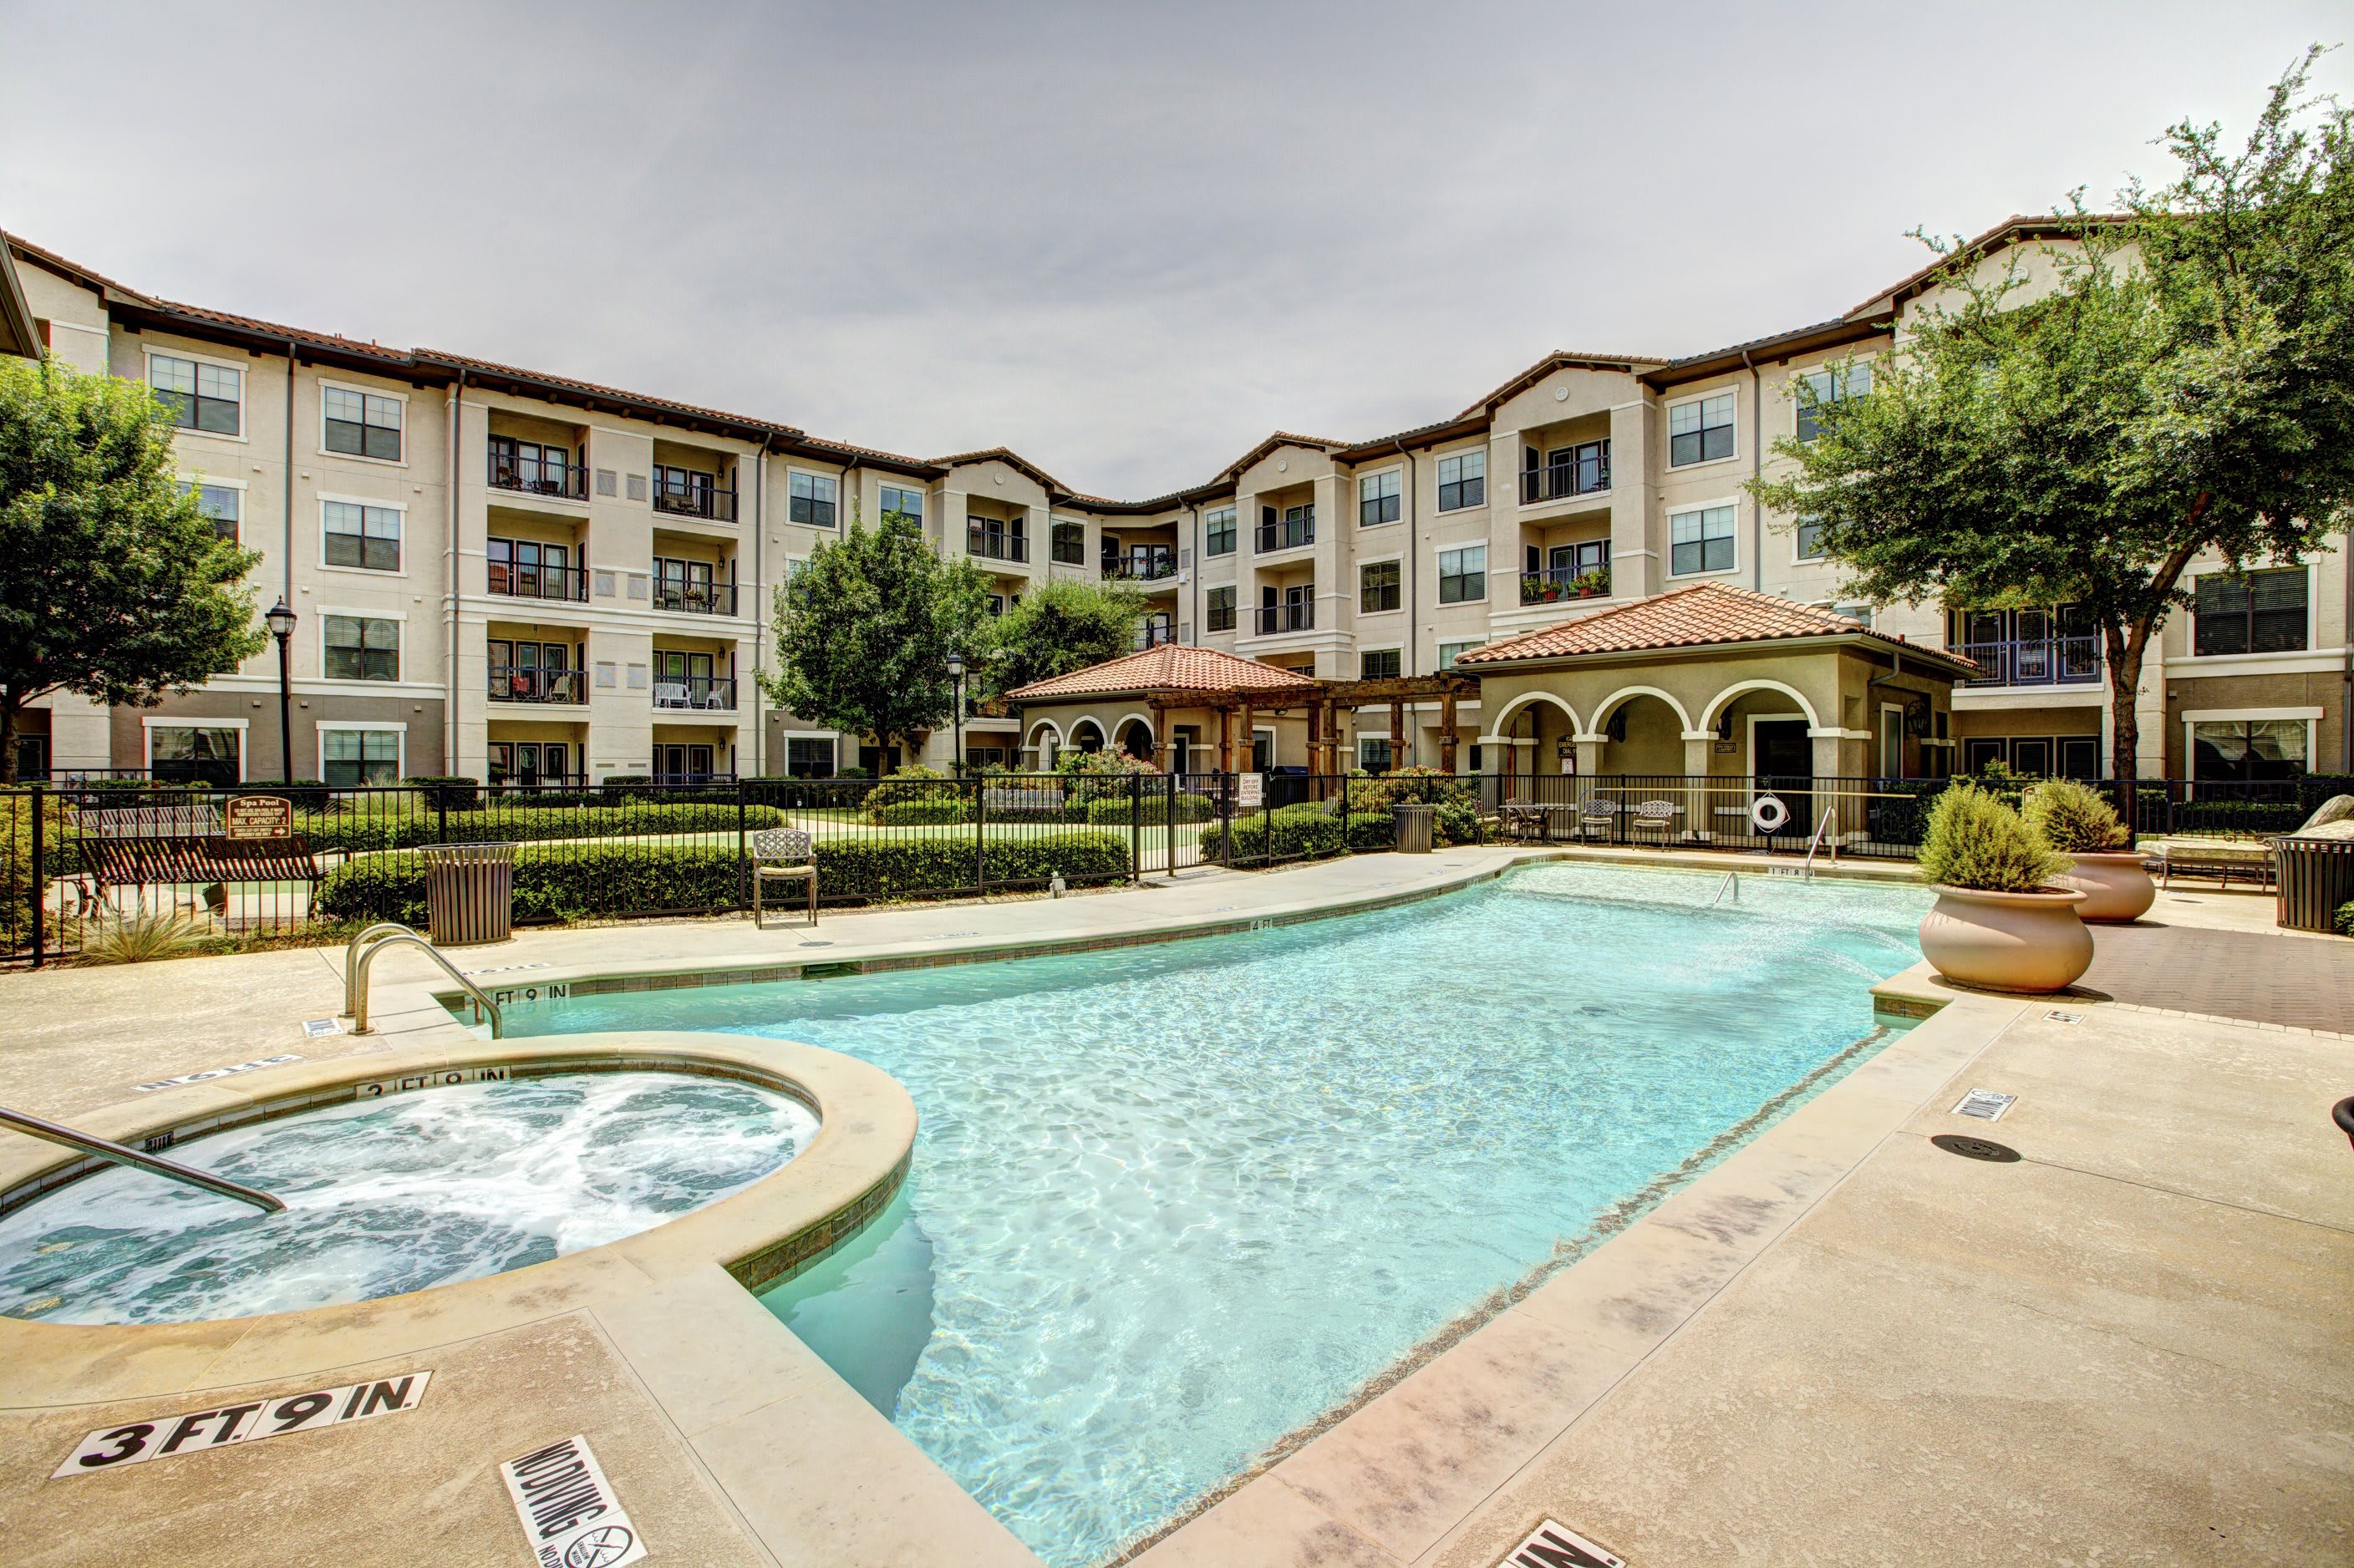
(2114, 887)
(2007, 941)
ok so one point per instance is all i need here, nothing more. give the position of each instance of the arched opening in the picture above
(1136, 739)
(1088, 735)
(1045, 742)
(1646, 735)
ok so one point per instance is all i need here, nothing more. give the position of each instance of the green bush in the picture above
(2074, 820)
(1458, 822)
(1975, 840)
(457, 792)
(916, 813)
(913, 784)
(574, 881)
(1287, 833)
(396, 824)
(1372, 830)
(1118, 811)
(2345, 921)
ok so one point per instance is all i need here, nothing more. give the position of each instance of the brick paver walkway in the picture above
(2227, 974)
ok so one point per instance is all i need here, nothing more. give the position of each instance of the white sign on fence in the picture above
(1250, 791)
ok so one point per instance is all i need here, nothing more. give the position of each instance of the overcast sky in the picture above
(1125, 240)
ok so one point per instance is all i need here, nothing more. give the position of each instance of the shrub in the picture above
(1371, 831)
(16, 846)
(383, 824)
(2345, 921)
(1458, 822)
(914, 783)
(1118, 811)
(2074, 820)
(1288, 832)
(574, 881)
(457, 792)
(139, 935)
(1975, 840)
(915, 813)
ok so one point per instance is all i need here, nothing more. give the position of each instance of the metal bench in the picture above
(1035, 800)
(783, 854)
(2250, 859)
(145, 846)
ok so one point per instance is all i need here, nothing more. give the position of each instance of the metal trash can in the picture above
(2316, 876)
(469, 892)
(1413, 825)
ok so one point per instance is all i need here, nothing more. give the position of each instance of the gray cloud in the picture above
(1127, 240)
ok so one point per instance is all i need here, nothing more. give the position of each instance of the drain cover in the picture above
(1976, 1148)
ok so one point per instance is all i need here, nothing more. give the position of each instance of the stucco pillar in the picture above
(1636, 568)
(1697, 747)
(1589, 754)
(1826, 744)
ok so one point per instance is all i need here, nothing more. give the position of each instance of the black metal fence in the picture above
(93, 864)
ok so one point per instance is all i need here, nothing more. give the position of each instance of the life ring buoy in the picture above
(1767, 814)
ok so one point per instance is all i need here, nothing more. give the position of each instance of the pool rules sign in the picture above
(568, 1509)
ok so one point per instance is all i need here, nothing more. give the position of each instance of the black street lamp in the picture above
(282, 627)
(956, 673)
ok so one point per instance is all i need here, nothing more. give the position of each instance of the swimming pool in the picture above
(1172, 1203)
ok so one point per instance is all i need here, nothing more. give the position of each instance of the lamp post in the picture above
(282, 627)
(955, 675)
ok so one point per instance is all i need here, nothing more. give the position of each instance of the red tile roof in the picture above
(1695, 616)
(1170, 667)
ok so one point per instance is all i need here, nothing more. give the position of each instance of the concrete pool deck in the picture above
(1838, 1344)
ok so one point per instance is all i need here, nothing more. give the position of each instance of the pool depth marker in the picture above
(175, 1437)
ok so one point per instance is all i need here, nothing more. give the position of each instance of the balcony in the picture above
(561, 585)
(1582, 471)
(695, 693)
(1558, 584)
(689, 492)
(994, 543)
(1288, 534)
(2035, 662)
(1154, 634)
(1147, 565)
(1297, 616)
(693, 597)
(514, 683)
(534, 471)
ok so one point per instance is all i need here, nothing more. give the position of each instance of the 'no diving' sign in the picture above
(568, 1509)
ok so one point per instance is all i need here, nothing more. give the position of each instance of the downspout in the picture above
(291, 363)
(1756, 467)
(1413, 585)
(451, 589)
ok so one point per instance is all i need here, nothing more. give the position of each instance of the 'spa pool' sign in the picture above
(170, 1436)
(260, 817)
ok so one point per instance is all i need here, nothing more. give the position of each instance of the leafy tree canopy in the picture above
(113, 584)
(2185, 387)
(864, 630)
(1062, 626)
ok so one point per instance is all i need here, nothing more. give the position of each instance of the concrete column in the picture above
(1590, 757)
(1636, 566)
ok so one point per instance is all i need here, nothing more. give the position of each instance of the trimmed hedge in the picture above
(1291, 831)
(571, 882)
(458, 792)
(2345, 918)
(1372, 830)
(403, 826)
(1118, 811)
(933, 813)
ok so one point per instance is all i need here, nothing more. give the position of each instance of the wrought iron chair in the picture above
(784, 854)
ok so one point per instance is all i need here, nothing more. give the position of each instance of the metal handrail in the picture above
(352, 961)
(170, 1170)
(1814, 840)
(360, 981)
(1732, 880)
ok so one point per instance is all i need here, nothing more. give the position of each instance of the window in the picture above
(350, 757)
(1068, 542)
(1450, 651)
(360, 648)
(809, 755)
(1463, 575)
(221, 503)
(1700, 430)
(1462, 481)
(194, 754)
(1218, 532)
(1374, 753)
(907, 503)
(362, 424)
(1379, 664)
(1377, 587)
(1828, 387)
(1701, 541)
(1222, 609)
(2262, 612)
(364, 536)
(1810, 539)
(809, 499)
(203, 397)
(1377, 499)
(2249, 749)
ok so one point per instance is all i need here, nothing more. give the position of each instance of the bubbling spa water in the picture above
(395, 1194)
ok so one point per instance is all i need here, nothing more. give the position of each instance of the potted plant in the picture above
(1999, 921)
(2103, 864)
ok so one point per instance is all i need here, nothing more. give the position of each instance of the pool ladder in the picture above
(1733, 881)
(361, 955)
(138, 1160)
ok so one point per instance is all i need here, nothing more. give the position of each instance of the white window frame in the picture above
(244, 386)
(361, 727)
(834, 479)
(1465, 647)
(1833, 368)
(1486, 479)
(355, 388)
(1798, 557)
(831, 737)
(1439, 573)
(1396, 648)
(369, 572)
(1380, 740)
(344, 683)
(2312, 649)
(923, 501)
(1667, 433)
(150, 723)
(201, 482)
(1395, 472)
(1399, 558)
(2193, 717)
(1720, 504)
(1234, 518)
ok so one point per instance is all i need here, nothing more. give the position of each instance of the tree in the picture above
(1062, 626)
(2185, 387)
(113, 584)
(864, 630)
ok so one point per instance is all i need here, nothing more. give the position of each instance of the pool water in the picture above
(1170, 1202)
(394, 1194)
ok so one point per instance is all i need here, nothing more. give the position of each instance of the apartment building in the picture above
(511, 575)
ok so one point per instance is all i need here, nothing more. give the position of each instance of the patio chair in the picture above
(1656, 817)
(785, 855)
(1595, 818)
(670, 693)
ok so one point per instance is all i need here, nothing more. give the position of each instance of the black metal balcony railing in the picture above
(1299, 616)
(549, 475)
(1143, 565)
(511, 683)
(1154, 634)
(995, 543)
(1288, 535)
(565, 584)
(2035, 662)
(701, 693)
(1588, 473)
(695, 598)
(1557, 584)
(684, 492)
